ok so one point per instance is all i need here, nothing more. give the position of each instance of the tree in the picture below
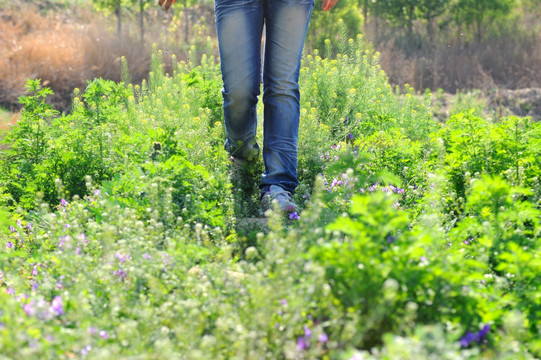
(401, 13)
(112, 6)
(142, 5)
(477, 13)
(428, 11)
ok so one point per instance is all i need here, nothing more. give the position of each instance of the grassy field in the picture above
(122, 235)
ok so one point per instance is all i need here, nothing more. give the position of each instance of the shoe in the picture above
(282, 198)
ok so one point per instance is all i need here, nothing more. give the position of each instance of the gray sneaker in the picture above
(239, 171)
(282, 198)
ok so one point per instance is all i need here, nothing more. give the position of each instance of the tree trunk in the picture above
(365, 16)
(410, 20)
(142, 20)
(118, 18)
(187, 31)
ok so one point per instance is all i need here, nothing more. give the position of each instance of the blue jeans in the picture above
(239, 26)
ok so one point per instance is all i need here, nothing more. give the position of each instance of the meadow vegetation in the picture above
(120, 229)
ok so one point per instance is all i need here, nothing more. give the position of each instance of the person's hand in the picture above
(327, 4)
(168, 3)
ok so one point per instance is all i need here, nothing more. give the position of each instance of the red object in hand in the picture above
(328, 4)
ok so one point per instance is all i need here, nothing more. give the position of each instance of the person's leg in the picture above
(239, 25)
(286, 23)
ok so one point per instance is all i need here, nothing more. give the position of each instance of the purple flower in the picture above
(19, 224)
(467, 339)
(92, 330)
(97, 192)
(294, 216)
(423, 259)
(483, 332)
(29, 308)
(56, 305)
(29, 226)
(323, 338)
(283, 302)
(470, 337)
(10, 245)
(302, 344)
(12, 228)
(120, 273)
(350, 136)
(104, 334)
(146, 256)
(64, 203)
(390, 239)
(86, 350)
(307, 332)
(122, 258)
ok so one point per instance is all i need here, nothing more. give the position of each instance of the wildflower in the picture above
(83, 238)
(56, 305)
(390, 239)
(104, 334)
(467, 339)
(64, 203)
(29, 308)
(120, 273)
(86, 350)
(29, 226)
(283, 302)
(294, 216)
(12, 228)
(307, 332)
(302, 344)
(122, 258)
(10, 245)
(470, 337)
(350, 136)
(146, 256)
(323, 338)
(19, 223)
(97, 192)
